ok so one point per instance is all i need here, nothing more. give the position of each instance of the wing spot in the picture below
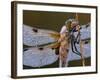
(25, 49)
(52, 48)
(87, 25)
(86, 42)
(40, 48)
(35, 30)
(80, 27)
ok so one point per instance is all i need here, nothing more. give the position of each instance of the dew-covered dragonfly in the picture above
(42, 45)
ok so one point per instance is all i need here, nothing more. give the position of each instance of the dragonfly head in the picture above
(70, 23)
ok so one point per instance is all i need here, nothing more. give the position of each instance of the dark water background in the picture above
(51, 20)
(54, 21)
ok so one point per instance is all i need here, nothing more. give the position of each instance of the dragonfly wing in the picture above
(33, 36)
(86, 37)
(85, 32)
(86, 52)
(38, 57)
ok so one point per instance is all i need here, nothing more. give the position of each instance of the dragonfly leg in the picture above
(82, 57)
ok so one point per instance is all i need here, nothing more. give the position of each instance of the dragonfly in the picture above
(42, 45)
